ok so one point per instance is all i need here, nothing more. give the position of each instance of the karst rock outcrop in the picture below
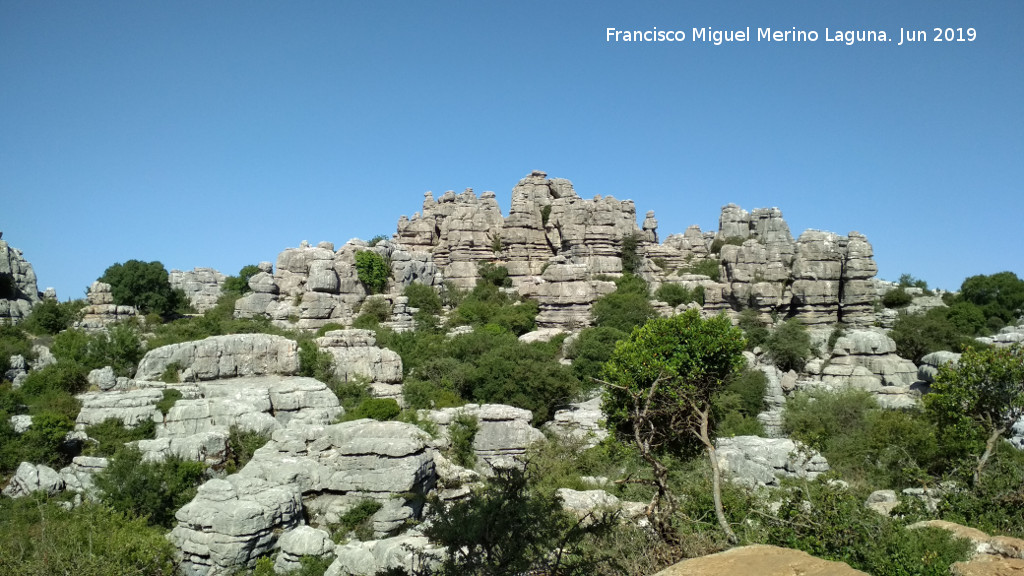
(18, 287)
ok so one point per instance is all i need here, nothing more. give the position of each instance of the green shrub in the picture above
(372, 312)
(357, 521)
(718, 243)
(350, 394)
(999, 296)
(120, 347)
(789, 345)
(632, 260)
(423, 297)
(111, 435)
(709, 268)
(753, 328)
(590, 350)
(627, 307)
(65, 377)
(171, 395)
(486, 305)
(676, 294)
(42, 443)
(242, 444)
(40, 537)
(908, 281)
(375, 408)
(427, 394)
(144, 285)
(916, 335)
(462, 432)
(897, 298)
(153, 490)
(239, 285)
(494, 275)
(377, 240)
(737, 406)
(545, 214)
(51, 316)
(13, 341)
(314, 362)
(373, 270)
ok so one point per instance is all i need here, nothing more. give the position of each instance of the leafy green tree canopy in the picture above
(373, 270)
(998, 295)
(144, 285)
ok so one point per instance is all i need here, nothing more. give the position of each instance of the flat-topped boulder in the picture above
(219, 357)
(202, 286)
(760, 560)
(752, 460)
(503, 432)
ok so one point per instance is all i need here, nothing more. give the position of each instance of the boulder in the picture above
(219, 357)
(356, 356)
(31, 478)
(102, 378)
(930, 363)
(19, 291)
(760, 560)
(584, 503)
(407, 552)
(131, 407)
(503, 435)
(298, 542)
(753, 461)
(581, 421)
(78, 476)
(202, 286)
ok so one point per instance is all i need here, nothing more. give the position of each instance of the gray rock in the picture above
(22, 277)
(930, 364)
(102, 378)
(31, 478)
(301, 541)
(131, 407)
(21, 423)
(752, 460)
(595, 502)
(219, 357)
(580, 420)
(356, 356)
(231, 522)
(202, 286)
(78, 476)
(883, 501)
(368, 558)
(503, 434)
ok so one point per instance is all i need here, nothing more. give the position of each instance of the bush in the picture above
(375, 408)
(66, 377)
(239, 285)
(632, 261)
(377, 240)
(916, 335)
(357, 521)
(709, 268)
(494, 275)
(627, 307)
(153, 490)
(718, 243)
(51, 316)
(999, 296)
(372, 312)
(171, 395)
(373, 270)
(40, 537)
(590, 350)
(462, 432)
(314, 362)
(242, 444)
(423, 297)
(754, 330)
(111, 435)
(487, 306)
(789, 345)
(897, 298)
(120, 347)
(144, 285)
(676, 294)
(13, 341)
(350, 394)
(42, 443)
(737, 406)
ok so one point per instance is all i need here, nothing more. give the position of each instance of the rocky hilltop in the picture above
(18, 289)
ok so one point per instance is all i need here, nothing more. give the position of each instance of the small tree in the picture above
(981, 397)
(374, 271)
(144, 285)
(659, 389)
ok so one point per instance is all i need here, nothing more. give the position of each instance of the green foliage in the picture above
(217, 321)
(38, 537)
(239, 285)
(632, 261)
(153, 490)
(977, 401)
(837, 526)
(377, 240)
(119, 347)
(65, 377)
(999, 296)
(898, 298)
(591, 349)
(627, 307)
(545, 214)
(171, 395)
(462, 432)
(753, 328)
(372, 312)
(690, 358)
(483, 366)
(144, 285)
(373, 270)
(494, 275)
(908, 281)
(718, 243)
(314, 362)
(423, 297)
(171, 373)
(111, 435)
(357, 521)
(838, 331)
(709, 268)
(938, 329)
(42, 443)
(51, 316)
(242, 444)
(374, 408)
(865, 444)
(475, 531)
(736, 407)
(789, 345)
(487, 306)
(13, 341)
(676, 294)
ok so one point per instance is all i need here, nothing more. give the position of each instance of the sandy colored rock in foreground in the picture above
(759, 560)
(989, 566)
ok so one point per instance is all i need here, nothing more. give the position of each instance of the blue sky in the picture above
(219, 133)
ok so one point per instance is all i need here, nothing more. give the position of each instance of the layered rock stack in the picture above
(100, 309)
(18, 288)
(202, 286)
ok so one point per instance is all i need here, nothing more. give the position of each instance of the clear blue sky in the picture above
(219, 133)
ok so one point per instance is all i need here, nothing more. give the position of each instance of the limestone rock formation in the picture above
(100, 309)
(131, 407)
(585, 503)
(832, 279)
(18, 288)
(219, 357)
(760, 560)
(78, 476)
(31, 478)
(1006, 337)
(405, 552)
(930, 363)
(866, 359)
(231, 522)
(752, 460)
(356, 356)
(581, 421)
(566, 293)
(301, 541)
(202, 286)
(504, 432)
